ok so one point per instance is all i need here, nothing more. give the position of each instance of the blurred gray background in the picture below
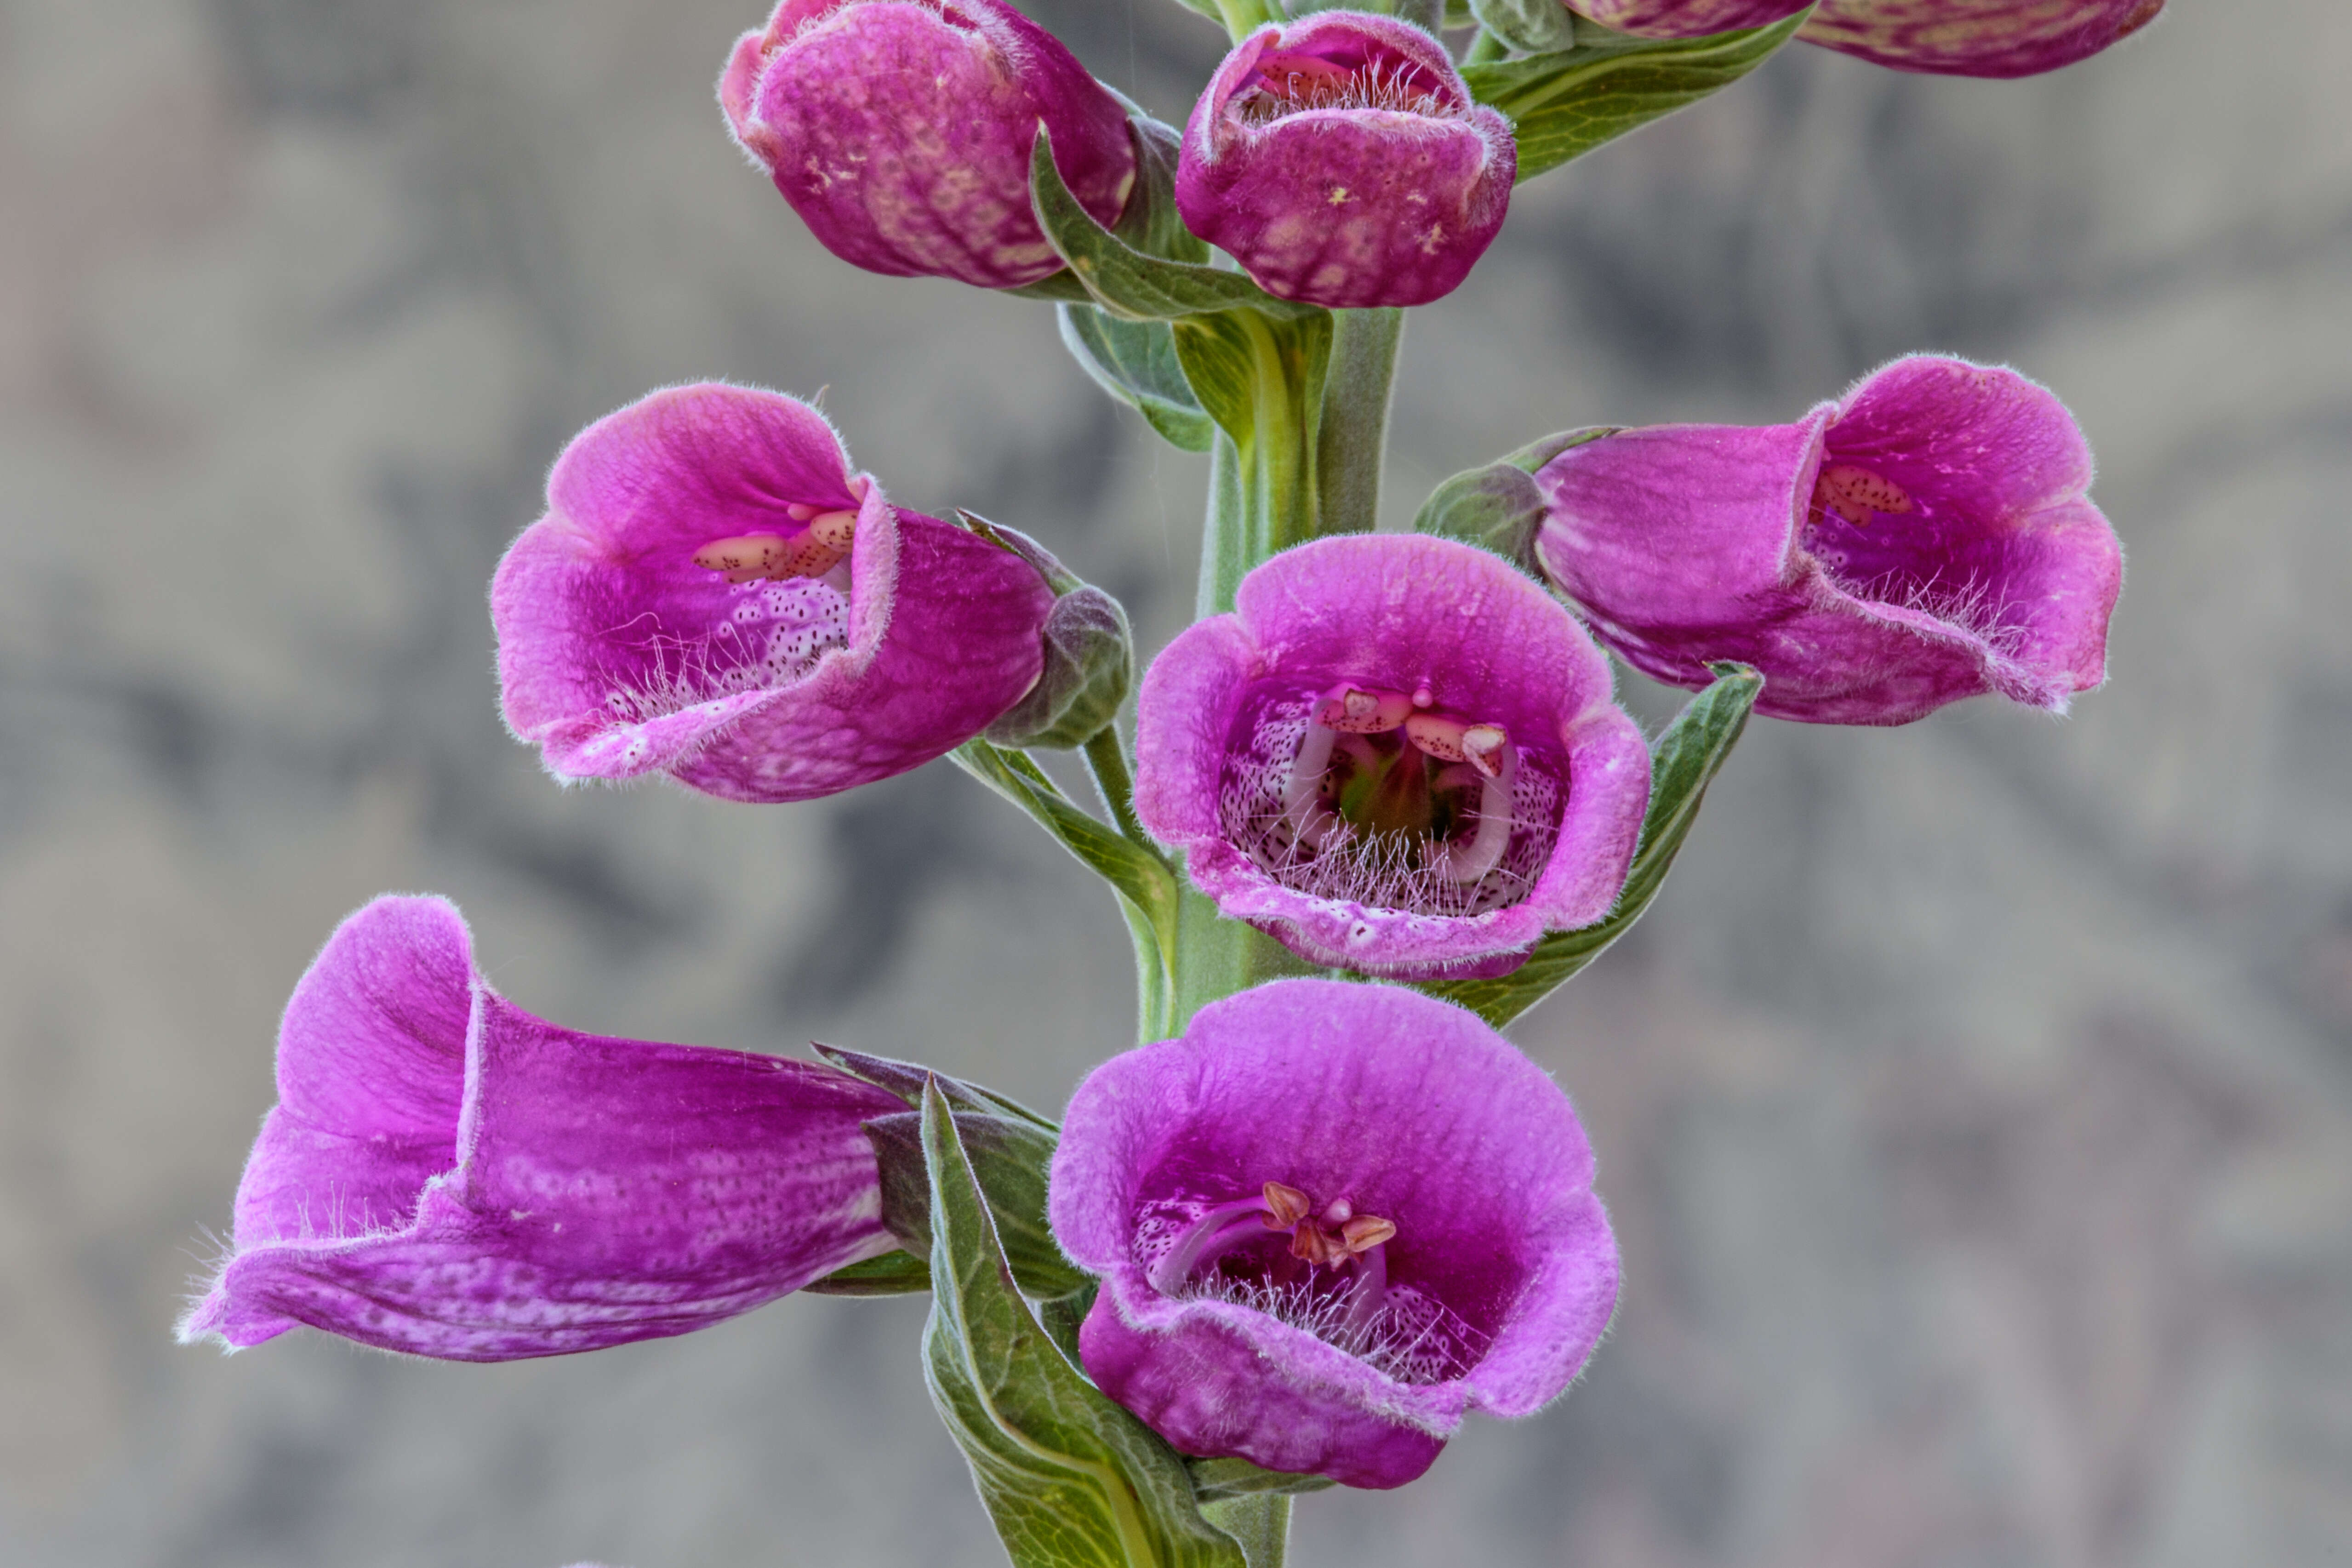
(1975, 1106)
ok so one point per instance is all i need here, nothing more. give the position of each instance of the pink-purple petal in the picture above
(619, 655)
(1413, 1109)
(448, 1176)
(1683, 544)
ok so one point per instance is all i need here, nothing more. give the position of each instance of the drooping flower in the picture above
(714, 595)
(1342, 161)
(1947, 38)
(1929, 537)
(1329, 1221)
(900, 132)
(1398, 756)
(448, 1176)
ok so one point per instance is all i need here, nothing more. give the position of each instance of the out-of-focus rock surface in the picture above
(1976, 1107)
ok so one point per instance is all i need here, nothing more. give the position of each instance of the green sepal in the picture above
(1499, 506)
(1070, 1479)
(1530, 26)
(907, 1080)
(900, 1273)
(1136, 363)
(1010, 1159)
(1126, 281)
(1219, 1480)
(1090, 654)
(1682, 761)
(1564, 104)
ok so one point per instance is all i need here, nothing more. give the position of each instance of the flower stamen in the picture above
(816, 549)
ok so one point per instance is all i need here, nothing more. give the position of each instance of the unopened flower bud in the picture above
(1945, 37)
(1342, 161)
(1089, 663)
(900, 132)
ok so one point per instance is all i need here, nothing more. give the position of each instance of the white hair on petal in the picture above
(1374, 870)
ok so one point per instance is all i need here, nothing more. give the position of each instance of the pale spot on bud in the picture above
(1339, 1212)
(1856, 494)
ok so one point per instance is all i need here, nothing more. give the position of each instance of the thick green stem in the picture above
(1261, 1523)
(1224, 538)
(1354, 436)
(1217, 957)
(1106, 756)
(1483, 49)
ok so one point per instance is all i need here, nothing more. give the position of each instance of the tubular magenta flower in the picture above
(448, 1176)
(900, 130)
(712, 594)
(1398, 755)
(1929, 538)
(1329, 1220)
(1949, 37)
(1342, 161)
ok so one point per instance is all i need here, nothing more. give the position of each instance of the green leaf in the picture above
(1124, 281)
(1071, 1479)
(1565, 104)
(898, 1273)
(1497, 508)
(1683, 762)
(1531, 26)
(1216, 1480)
(1135, 361)
(906, 1080)
(1009, 1158)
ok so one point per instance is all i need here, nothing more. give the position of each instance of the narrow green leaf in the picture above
(1683, 762)
(1216, 1480)
(1009, 1158)
(906, 1080)
(1071, 1479)
(898, 1273)
(1124, 281)
(1497, 508)
(1565, 104)
(1135, 361)
(1535, 27)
